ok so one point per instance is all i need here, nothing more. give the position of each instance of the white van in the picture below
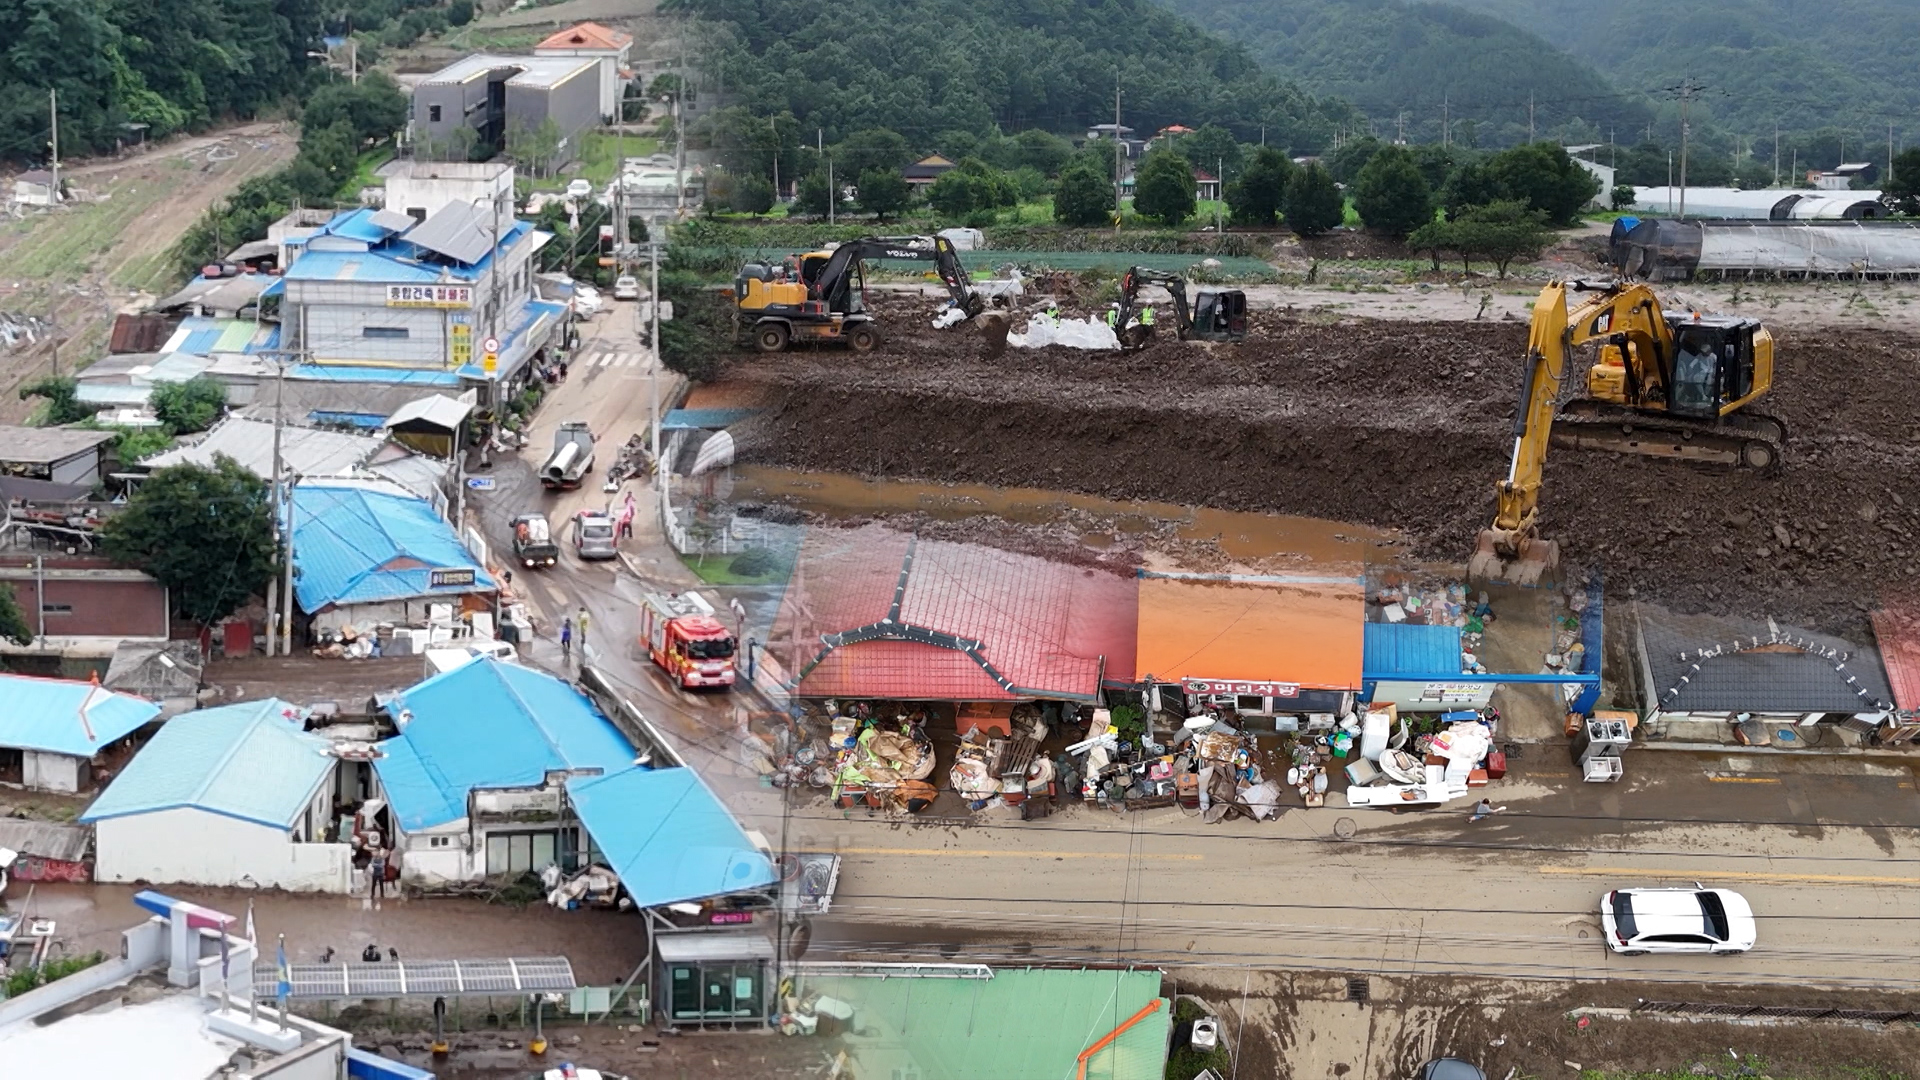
(445, 659)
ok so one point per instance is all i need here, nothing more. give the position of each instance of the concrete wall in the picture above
(612, 86)
(80, 469)
(88, 600)
(60, 773)
(340, 333)
(462, 105)
(422, 862)
(573, 104)
(196, 847)
(422, 189)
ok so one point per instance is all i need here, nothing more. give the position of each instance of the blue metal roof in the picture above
(249, 761)
(47, 714)
(348, 540)
(370, 421)
(358, 225)
(358, 373)
(1409, 649)
(667, 835)
(702, 419)
(371, 266)
(487, 724)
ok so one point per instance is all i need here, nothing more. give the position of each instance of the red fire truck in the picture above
(684, 637)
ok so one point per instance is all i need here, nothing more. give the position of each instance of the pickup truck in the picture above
(533, 542)
(572, 457)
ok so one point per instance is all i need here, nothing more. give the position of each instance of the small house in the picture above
(921, 174)
(365, 555)
(1206, 186)
(51, 730)
(62, 455)
(240, 795)
(610, 48)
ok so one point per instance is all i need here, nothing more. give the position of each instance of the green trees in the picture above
(1212, 148)
(1499, 233)
(1621, 197)
(973, 187)
(1470, 185)
(1256, 197)
(883, 192)
(1313, 204)
(186, 407)
(1902, 192)
(1040, 150)
(1083, 196)
(812, 195)
(59, 393)
(1391, 193)
(870, 148)
(13, 624)
(373, 109)
(204, 533)
(1163, 188)
(1545, 178)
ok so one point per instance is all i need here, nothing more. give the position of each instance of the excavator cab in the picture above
(1219, 315)
(1713, 363)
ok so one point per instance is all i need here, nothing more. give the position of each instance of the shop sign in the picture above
(462, 341)
(1453, 693)
(1251, 689)
(720, 918)
(430, 296)
(450, 577)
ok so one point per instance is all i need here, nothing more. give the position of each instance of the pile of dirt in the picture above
(1392, 424)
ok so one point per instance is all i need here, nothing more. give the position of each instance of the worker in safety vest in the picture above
(1146, 317)
(1113, 316)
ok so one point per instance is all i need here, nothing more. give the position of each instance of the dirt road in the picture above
(80, 265)
(1390, 424)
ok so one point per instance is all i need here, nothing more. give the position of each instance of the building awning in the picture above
(667, 836)
(697, 945)
(1306, 631)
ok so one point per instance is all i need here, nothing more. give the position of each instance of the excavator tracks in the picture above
(1748, 441)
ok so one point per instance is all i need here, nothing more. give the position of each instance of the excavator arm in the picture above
(1176, 287)
(833, 281)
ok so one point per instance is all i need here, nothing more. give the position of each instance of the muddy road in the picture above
(1392, 424)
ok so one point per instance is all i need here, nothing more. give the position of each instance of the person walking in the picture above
(377, 875)
(566, 639)
(583, 630)
(1485, 809)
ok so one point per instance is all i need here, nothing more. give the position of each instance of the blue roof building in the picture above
(362, 554)
(500, 769)
(51, 728)
(238, 795)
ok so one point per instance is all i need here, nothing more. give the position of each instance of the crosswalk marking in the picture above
(616, 359)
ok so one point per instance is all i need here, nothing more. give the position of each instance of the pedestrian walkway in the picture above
(610, 359)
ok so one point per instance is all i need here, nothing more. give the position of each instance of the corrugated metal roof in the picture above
(360, 225)
(1309, 634)
(1796, 676)
(370, 266)
(63, 716)
(487, 724)
(354, 546)
(1031, 627)
(1410, 649)
(1898, 632)
(436, 409)
(667, 835)
(46, 840)
(198, 335)
(458, 230)
(306, 451)
(46, 446)
(1031, 1023)
(249, 761)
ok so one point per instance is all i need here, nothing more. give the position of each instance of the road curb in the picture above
(1810, 751)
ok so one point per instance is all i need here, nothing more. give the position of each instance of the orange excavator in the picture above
(1663, 385)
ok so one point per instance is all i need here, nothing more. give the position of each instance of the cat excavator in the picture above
(824, 302)
(1663, 385)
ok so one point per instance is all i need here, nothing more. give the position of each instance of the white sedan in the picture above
(586, 301)
(626, 287)
(1695, 920)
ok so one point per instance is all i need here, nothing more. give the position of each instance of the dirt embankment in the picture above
(1392, 424)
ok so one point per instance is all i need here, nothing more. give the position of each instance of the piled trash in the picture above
(1044, 330)
(1440, 605)
(593, 887)
(881, 761)
(1427, 761)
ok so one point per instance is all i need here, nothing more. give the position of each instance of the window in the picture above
(56, 609)
(514, 853)
(433, 114)
(383, 331)
(1623, 916)
(439, 841)
(1716, 915)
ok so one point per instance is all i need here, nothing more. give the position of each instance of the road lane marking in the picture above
(1730, 875)
(1744, 779)
(962, 853)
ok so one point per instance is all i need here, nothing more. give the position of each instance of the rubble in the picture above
(1370, 422)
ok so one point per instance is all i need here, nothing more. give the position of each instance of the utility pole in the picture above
(833, 193)
(1613, 150)
(1117, 147)
(1219, 189)
(286, 589)
(1529, 116)
(1686, 94)
(279, 398)
(653, 378)
(1776, 154)
(1400, 128)
(1263, 134)
(53, 144)
(1889, 178)
(1446, 122)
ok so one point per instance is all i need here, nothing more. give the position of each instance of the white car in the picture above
(626, 288)
(579, 189)
(1695, 920)
(586, 301)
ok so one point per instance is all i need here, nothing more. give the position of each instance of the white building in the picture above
(238, 795)
(610, 47)
(420, 189)
(52, 729)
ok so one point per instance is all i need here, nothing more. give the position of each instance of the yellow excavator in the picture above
(1663, 385)
(822, 299)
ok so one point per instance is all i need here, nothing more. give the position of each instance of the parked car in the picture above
(593, 535)
(587, 301)
(1447, 1068)
(627, 287)
(579, 189)
(1695, 920)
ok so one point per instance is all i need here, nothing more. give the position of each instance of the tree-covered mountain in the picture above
(1416, 64)
(925, 67)
(1803, 65)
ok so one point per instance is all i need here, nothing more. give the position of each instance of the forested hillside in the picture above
(924, 67)
(1425, 60)
(1800, 64)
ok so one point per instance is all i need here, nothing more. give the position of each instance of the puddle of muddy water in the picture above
(1239, 535)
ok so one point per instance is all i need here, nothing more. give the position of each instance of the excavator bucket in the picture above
(993, 326)
(1535, 559)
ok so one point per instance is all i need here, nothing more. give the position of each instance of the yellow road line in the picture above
(1729, 875)
(966, 854)
(1744, 779)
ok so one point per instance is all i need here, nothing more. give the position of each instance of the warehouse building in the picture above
(474, 106)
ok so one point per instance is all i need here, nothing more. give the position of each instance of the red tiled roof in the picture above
(1202, 176)
(1898, 633)
(586, 36)
(1042, 627)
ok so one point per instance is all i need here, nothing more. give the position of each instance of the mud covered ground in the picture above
(1391, 424)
